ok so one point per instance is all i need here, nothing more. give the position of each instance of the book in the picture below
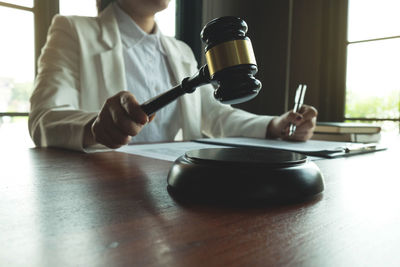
(348, 137)
(345, 127)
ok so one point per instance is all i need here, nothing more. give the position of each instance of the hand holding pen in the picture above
(298, 103)
(297, 124)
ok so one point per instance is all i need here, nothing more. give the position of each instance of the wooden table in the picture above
(61, 208)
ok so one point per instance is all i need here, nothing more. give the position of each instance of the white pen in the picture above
(298, 102)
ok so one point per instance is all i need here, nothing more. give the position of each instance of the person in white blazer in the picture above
(80, 97)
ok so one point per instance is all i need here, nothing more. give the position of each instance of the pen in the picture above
(298, 102)
(351, 148)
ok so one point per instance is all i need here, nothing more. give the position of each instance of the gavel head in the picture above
(230, 59)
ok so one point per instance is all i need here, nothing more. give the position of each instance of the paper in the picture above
(308, 146)
(164, 151)
(172, 151)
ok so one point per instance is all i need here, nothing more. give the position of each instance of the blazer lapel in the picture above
(183, 65)
(179, 63)
(111, 59)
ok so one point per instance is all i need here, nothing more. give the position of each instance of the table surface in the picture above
(62, 208)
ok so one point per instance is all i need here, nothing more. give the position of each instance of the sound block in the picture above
(244, 174)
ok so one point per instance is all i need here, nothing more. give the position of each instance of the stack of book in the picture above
(347, 132)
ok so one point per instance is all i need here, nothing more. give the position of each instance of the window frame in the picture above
(43, 12)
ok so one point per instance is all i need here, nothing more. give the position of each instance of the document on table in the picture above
(313, 148)
(326, 149)
(308, 146)
(165, 151)
(170, 151)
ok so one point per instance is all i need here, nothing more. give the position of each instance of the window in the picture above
(17, 58)
(17, 69)
(373, 63)
(23, 26)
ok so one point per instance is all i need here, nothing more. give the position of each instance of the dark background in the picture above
(301, 41)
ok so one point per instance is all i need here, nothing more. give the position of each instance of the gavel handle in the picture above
(188, 85)
(154, 104)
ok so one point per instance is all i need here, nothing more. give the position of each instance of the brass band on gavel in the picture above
(228, 54)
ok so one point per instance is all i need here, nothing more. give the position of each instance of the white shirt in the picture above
(147, 75)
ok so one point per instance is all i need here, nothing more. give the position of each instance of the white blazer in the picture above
(82, 65)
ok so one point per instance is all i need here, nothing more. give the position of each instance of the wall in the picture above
(318, 55)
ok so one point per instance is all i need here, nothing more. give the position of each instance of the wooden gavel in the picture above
(231, 66)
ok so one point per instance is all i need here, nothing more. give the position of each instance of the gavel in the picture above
(231, 66)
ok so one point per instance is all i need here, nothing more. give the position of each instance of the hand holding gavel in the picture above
(230, 67)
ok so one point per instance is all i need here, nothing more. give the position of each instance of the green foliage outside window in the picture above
(14, 96)
(373, 106)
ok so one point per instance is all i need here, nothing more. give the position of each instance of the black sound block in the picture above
(244, 174)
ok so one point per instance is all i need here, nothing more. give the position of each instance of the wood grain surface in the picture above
(62, 208)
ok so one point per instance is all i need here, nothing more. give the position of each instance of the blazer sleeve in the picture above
(56, 118)
(221, 120)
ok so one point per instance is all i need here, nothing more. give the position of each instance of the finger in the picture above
(300, 137)
(103, 120)
(285, 123)
(308, 112)
(285, 131)
(132, 108)
(303, 136)
(101, 134)
(296, 118)
(297, 136)
(108, 128)
(304, 131)
(102, 137)
(279, 126)
(116, 138)
(113, 126)
(123, 122)
(307, 125)
(291, 117)
(151, 118)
